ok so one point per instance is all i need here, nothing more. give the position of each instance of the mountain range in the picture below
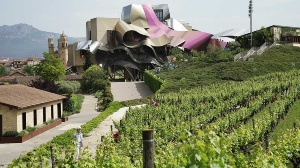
(23, 41)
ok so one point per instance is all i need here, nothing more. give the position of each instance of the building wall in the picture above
(12, 118)
(98, 28)
(88, 29)
(277, 33)
(76, 58)
(9, 119)
(296, 45)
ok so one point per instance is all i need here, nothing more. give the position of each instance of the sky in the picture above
(211, 16)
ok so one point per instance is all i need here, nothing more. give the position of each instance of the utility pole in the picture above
(250, 15)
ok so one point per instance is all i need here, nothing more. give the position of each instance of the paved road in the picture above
(13, 150)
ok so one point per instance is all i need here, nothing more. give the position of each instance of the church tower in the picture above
(63, 48)
(50, 46)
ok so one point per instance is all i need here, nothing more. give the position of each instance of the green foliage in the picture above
(216, 54)
(197, 73)
(99, 94)
(105, 99)
(259, 38)
(3, 71)
(49, 86)
(68, 87)
(29, 70)
(30, 129)
(234, 47)
(88, 62)
(175, 51)
(288, 147)
(152, 81)
(22, 133)
(134, 102)
(72, 104)
(50, 68)
(64, 147)
(10, 134)
(288, 122)
(94, 79)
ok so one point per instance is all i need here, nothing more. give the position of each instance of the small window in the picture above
(44, 114)
(34, 118)
(52, 112)
(24, 120)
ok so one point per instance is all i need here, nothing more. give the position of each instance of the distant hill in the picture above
(23, 40)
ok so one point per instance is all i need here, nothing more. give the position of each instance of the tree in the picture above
(88, 61)
(3, 71)
(50, 68)
(94, 79)
(29, 70)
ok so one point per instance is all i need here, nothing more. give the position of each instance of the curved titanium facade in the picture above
(140, 39)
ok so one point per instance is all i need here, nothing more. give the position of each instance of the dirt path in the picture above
(103, 129)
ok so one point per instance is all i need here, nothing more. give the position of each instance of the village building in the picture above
(22, 106)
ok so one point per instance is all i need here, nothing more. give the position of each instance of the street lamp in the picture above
(250, 15)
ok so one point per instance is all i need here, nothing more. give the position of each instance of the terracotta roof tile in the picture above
(21, 96)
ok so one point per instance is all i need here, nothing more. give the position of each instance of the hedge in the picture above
(153, 82)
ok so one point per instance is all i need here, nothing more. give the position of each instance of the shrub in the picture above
(48, 86)
(30, 129)
(69, 103)
(68, 87)
(94, 79)
(11, 134)
(73, 103)
(98, 94)
(153, 82)
(22, 133)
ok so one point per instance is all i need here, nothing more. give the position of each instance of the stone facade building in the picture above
(22, 107)
(62, 48)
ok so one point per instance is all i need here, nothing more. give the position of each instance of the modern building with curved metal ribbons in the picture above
(141, 39)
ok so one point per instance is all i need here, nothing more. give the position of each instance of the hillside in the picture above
(23, 40)
(192, 74)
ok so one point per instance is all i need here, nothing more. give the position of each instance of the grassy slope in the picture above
(194, 74)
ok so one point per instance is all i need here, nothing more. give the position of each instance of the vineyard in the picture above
(220, 125)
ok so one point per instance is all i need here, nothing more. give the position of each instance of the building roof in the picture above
(232, 33)
(16, 73)
(20, 96)
(24, 80)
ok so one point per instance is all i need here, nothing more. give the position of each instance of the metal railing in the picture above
(252, 51)
(238, 56)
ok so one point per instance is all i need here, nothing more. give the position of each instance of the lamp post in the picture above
(250, 15)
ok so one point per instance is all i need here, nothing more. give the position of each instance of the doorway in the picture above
(1, 126)
(23, 120)
(59, 110)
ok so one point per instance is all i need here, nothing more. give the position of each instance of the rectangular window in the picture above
(23, 120)
(52, 112)
(59, 110)
(159, 14)
(34, 118)
(44, 114)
